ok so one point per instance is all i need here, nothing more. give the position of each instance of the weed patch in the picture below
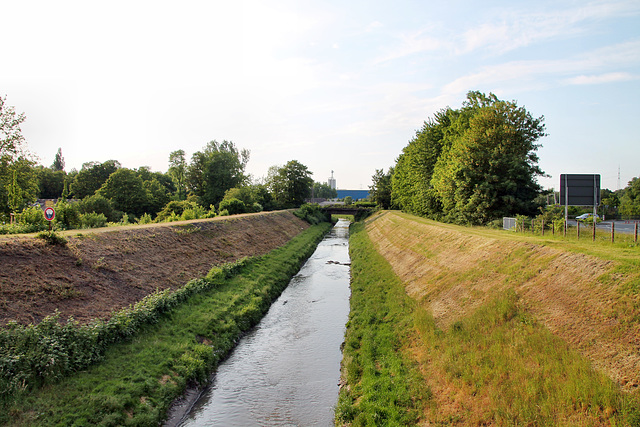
(52, 238)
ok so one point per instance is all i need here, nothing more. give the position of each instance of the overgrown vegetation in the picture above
(148, 362)
(52, 238)
(312, 214)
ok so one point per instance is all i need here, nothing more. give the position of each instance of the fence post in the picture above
(613, 232)
(635, 238)
(564, 229)
(594, 230)
(553, 228)
(578, 223)
(543, 226)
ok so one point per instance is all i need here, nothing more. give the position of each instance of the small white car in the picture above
(586, 216)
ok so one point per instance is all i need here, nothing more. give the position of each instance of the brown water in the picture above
(285, 372)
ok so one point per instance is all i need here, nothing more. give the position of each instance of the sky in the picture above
(339, 86)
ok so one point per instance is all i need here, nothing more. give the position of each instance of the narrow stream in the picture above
(285, 372)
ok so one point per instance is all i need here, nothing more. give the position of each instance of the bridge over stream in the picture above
(357, 212)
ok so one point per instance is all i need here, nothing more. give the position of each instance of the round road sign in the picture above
(49, 214)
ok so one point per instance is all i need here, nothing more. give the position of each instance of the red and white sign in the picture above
(49, 214)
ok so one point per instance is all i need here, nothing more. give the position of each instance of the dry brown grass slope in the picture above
(103, 270)
(580, 297)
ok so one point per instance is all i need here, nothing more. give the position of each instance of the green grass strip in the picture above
(139, 378)
(383, 383)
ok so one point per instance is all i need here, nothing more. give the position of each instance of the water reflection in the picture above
(285, 372)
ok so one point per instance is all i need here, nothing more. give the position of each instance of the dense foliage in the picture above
(18, 184)
(215, 169)
(470, 165)
(101, 194)
(380, 189)
(290, 184)
(630, 200)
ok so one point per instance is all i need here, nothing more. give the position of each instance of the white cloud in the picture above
(601, 78)
(553, 72)
(508, 30)
(411, 43)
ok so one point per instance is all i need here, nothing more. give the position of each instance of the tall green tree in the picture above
(50, 182)
(630, 200)
(216, 169)
(12, 142)
(178, 172)
(380, 188)
(472, 165)
(58, 162)
(490, 168)
(18, 179)
(125, 189)
(91, 177)
(321, 190)
(290, 184)
(412, 190)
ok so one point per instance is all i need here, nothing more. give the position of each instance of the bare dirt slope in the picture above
(104, 270)
(579, 297)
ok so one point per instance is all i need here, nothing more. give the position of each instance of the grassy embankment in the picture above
(138, 379)
(383, 385)
(490, 357)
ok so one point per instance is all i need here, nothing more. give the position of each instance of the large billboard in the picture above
(579, 190)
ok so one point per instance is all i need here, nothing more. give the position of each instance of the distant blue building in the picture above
(355, 194)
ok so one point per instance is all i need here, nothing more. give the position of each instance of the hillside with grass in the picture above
(501, 328)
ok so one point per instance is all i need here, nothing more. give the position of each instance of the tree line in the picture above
(476, 164)
(213, 182)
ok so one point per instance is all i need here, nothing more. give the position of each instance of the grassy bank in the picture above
(138, 379)
(468, 326)
(382, 382)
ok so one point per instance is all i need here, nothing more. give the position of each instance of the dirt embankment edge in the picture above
(101, 271)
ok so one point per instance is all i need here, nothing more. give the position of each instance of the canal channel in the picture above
(285, 372)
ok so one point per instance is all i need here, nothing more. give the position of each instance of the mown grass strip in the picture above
(383, 385)
(138, 379)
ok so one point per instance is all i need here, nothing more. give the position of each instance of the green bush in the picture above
(67, 215)
(30, 220)
(233, 206)
(93, 220)
(52, 238)
(33, 218)
(145, 219)
(194, 212)
(173, 209)
(311, 213)
(101, 205)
